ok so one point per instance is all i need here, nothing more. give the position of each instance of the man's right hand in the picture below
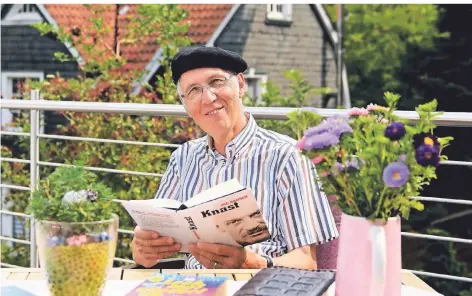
(148, 247)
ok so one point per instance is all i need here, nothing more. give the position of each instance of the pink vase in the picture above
(369, 257)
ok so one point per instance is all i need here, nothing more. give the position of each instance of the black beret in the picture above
(206, 57)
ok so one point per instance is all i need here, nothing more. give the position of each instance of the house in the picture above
(271, 37)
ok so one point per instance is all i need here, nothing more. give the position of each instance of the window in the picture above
(13, 84)
(255, 85)
(279, 12)
(22, 14)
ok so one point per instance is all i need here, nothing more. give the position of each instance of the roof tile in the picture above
(204, 20)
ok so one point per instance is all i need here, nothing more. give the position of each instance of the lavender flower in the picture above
(334, 124)
(321, 141)
(336, 168)
(427, 155)
(316, 130)
(352, 164)
(395, 130)
(339, 125)
(396, 174)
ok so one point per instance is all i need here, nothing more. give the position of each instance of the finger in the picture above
(162, 241)
(206, 262)
(208, 259)
(145, 234)
(222, 250)
(163, 249)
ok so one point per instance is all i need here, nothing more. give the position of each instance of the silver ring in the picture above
(215, 264)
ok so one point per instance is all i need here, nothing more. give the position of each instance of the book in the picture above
(185, 285)
(225, 214)
(288, 281)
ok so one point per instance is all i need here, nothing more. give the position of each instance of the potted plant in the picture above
(373, 162)
(76, 231)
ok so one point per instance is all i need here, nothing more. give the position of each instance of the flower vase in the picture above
(76, 256)
(369, 257)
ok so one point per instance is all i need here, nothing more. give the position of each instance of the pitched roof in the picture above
(204, 20)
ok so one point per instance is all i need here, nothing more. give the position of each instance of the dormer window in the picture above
(22, 14)
(279, 13)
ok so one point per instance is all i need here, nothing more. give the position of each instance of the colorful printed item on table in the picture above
(173, 284)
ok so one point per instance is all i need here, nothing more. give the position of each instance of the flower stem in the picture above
(379, 205)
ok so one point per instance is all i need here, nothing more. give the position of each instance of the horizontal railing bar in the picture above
(15, 187)
(5, 133)
(446, 119)
(8, 159)
(446, 200)
(437, 237)
(11, 265)
(124, 260)
(440, 275)
(104, 170)
(106, 141)
(20, 241)
(455, 162)
(15, 214)
(125, 231)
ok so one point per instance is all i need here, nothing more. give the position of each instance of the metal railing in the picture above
(453, 119)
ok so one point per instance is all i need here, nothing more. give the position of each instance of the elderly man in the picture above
(211, 86)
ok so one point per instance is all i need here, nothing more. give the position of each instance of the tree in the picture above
(375, 41)
(108, 77)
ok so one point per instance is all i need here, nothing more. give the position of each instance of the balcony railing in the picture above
(453, 119)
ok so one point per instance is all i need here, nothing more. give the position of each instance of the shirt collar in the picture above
(240, 141)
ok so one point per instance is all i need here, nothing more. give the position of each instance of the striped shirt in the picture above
(296, 211)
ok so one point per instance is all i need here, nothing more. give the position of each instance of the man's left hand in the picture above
(225, 257)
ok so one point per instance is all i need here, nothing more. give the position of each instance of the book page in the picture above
(166, 222)
(214, 192)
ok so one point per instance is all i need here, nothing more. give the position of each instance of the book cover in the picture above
(227, 214)
(183, 285)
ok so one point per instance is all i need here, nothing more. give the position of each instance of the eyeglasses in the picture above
(214, 86)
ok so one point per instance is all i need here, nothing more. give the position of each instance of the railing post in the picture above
(34, 172)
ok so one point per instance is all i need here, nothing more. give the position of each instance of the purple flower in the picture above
(427, 155)
(336, 168)
(320, 141)
(353, 163)
(396, 174)
(339, 125)
(334, 124)
(425, 138)
(316, 130)
(395, 130)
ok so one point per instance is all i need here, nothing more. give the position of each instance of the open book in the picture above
(224, 214)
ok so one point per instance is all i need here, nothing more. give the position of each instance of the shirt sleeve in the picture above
(170, 182)
(305, 216)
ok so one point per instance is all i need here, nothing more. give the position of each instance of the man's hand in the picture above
(148, 247)
(226, 257)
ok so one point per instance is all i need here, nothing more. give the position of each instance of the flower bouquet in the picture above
(76, 231)
(373, 162)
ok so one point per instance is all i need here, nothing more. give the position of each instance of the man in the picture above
(211, 86)
(247, 228)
